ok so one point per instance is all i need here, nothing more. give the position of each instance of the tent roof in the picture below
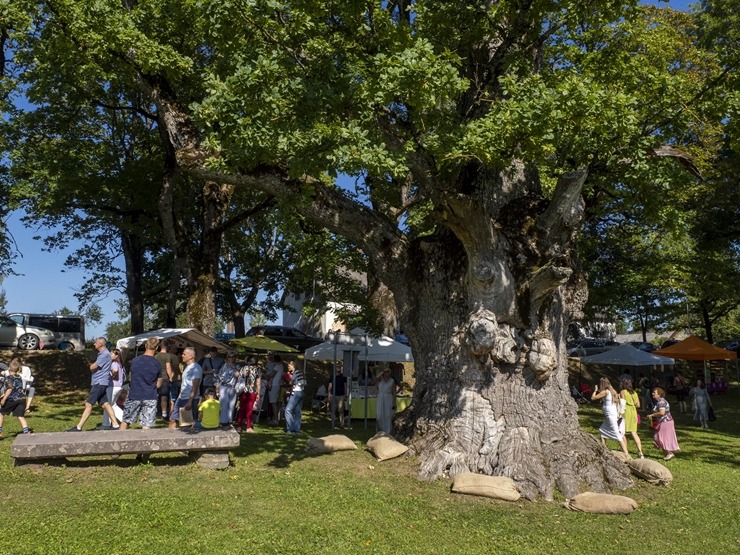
(379, 349)
(627, 355)
(262, 343)
(695, 348)
(188, 335)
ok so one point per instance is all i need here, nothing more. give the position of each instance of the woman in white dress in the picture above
(610, 428)
(385, 402)
(702, 402)
(226, 378)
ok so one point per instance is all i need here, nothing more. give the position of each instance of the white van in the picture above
(68, 329)
(14, 334)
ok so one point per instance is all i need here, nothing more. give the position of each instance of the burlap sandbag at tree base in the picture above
(652, 471)
(384, 446)
(496, 487)
(621, 456)
(329, 444)
(602, 503)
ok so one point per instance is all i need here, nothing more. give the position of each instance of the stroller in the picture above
(580, 395)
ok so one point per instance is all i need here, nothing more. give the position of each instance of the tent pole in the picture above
(367, 402)
(706, 373)
(334, 384)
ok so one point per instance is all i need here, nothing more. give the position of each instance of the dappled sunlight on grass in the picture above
(276, 498)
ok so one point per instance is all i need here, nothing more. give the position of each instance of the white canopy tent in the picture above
(357, 346)
(372, 349)
(183, 337)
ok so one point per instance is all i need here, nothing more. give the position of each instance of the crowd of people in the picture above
(219, 391)
(172, 385)
(167, 384)
(622, 410)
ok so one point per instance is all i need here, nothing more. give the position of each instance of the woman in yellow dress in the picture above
(632, 399)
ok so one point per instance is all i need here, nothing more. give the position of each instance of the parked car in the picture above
(286, 335)
(17, 335)
(668, 343)
(223, 337)
(644, 346)
(589, 347)
(731, 345)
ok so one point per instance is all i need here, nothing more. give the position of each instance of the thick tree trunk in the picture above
(486, 308)
(493, 398)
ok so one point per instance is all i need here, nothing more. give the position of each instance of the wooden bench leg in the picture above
(215, 460)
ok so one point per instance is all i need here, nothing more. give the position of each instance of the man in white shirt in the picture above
(189, 398)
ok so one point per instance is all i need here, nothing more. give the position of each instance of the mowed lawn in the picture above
(276, 499)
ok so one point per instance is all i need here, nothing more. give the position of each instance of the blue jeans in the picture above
(227, 397)
(293, 412)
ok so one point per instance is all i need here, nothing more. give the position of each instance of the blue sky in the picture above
(45, 285)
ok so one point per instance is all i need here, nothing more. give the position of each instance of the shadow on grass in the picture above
(125, 461)
(289, 448)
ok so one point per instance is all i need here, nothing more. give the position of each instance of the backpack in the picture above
(3, 382)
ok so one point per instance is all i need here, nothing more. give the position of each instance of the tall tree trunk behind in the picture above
(133, 256)
(707, 323)
(202, 298)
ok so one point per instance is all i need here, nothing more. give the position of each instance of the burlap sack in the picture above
(497, 487)
(384, 447)
(602, 503)
(621, 456)
(329, 444)
(652, 471)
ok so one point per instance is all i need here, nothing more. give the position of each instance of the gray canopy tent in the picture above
(629, 356)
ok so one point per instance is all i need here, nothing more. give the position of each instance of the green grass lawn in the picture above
(275, 499)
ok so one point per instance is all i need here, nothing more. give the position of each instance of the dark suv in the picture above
(288, 336)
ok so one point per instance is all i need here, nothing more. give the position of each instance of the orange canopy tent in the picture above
(695, 348)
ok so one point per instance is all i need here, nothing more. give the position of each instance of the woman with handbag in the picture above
(701, 402)
(665, 429)
(632, 402)
(226, 379)
(610, 427)
(249, 386)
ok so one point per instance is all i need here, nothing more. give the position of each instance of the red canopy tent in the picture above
(695, 348)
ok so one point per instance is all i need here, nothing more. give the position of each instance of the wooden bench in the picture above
(209, 448)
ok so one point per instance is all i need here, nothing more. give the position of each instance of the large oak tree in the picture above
(475, 130)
